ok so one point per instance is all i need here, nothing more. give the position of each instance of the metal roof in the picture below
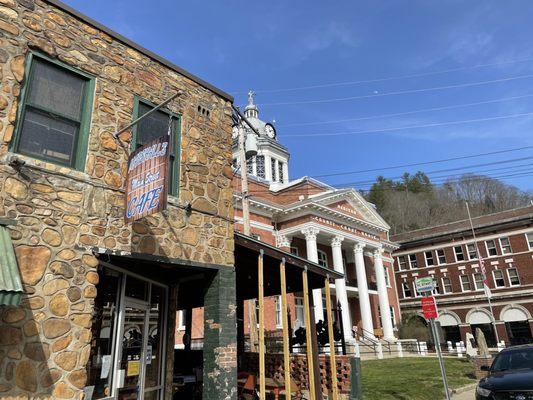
(10, 283)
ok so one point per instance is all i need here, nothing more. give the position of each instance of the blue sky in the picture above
(273, 46)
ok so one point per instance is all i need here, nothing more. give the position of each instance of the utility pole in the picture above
(483, 272)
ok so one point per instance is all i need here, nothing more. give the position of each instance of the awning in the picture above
(10, 283)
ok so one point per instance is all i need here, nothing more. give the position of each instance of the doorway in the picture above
(127, 351)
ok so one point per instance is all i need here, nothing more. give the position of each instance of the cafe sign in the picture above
(147, 180)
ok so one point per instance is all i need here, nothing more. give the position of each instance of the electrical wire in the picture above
(451, 107)
(384, 79)
(410, 91)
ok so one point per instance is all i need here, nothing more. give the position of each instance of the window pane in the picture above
(513, 276)
(472, 253)
(273, 169)
(48, 137)
(155, 328)
(152, 127)
(56, 89)
(136, 288)
(441, 256)
(280, 172)
(465, 282)
(412, 261)
(506, 245)
(260, 166)
(459, 253)
(499, 281)
(530, 240)
(491, 247)
(478, 281)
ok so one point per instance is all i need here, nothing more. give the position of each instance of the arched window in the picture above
(322, 258)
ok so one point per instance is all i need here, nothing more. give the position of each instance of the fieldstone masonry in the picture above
(63, 213)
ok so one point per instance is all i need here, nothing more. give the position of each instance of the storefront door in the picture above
(128, 357)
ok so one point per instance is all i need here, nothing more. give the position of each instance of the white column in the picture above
(286, 171)
(340, 287)
(312, 255)
(268, 169)
(383, 296)
(362, 288)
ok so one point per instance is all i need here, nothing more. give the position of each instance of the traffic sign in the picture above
(423, 285)
(429, 308)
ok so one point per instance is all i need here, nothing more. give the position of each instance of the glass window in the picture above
(407, 292)
(465, 283)
(157, 124)
(436, 289)
(472, 251)
(250, 166)
(529, 238)
(136, 288)
(412, 261)
(429, 258)
(506, 245)
(155, 329)
(99, 366)
(322, 258)
(478, 281)
(447, 285)
(273, 169)
(278, 310)
(300, 314)
(55, 114)
(491, 248)
(294, 250)
(260, 166)
(514, 279)
(387, 280)
(499, 280)
(459, 255)
(441, 256)
(281, 178)
(402, 263)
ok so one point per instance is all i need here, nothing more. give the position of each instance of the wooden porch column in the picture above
(332, 363)
(310, 331)
(285, 323)
(262, 394)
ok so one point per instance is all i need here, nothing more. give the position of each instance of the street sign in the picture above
(429, 308)
(423, 285)
(147, 180)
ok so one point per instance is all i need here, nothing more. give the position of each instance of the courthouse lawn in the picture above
(412, 378)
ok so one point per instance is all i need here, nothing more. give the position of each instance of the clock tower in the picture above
(271, 164)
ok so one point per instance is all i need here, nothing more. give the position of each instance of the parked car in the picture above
(510, 377)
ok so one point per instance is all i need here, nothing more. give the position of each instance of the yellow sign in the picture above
(134, 368)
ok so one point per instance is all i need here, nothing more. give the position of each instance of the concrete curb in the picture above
(463, 389)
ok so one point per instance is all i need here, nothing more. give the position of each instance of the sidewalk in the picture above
(466, 395)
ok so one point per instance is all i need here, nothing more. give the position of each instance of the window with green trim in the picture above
(155, 125)
(55, 112)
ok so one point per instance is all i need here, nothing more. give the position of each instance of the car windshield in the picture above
(514, 359)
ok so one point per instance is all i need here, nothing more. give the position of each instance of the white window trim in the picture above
(438, 259)
(462, 286)
(487, 248)
(527, 239)
(325, 257)
(501, 246)
(455, 253)
(509, 277)
(474, 282)
(400, 264)
(387, 279)
(415, 291)
(494, 279)
(468, 252)
(426, 258)
(444, 291)
(403, 290)
(409, 261)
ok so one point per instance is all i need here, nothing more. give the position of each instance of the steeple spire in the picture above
(251, 110)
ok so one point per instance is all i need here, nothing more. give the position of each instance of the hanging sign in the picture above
(147, 180)
(429, 308)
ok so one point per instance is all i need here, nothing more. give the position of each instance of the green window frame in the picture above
(81, 140)
(175, 141)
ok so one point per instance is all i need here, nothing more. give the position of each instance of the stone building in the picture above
(89, 301)
(450, 254)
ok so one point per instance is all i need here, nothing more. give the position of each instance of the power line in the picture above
(466, 121)
(461, 85)
(451, 107)
(391, 78)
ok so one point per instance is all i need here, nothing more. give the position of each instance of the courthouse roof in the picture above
(146, 52)
(500, 220)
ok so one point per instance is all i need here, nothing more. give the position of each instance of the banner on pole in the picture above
(486, 287)
(147, 180)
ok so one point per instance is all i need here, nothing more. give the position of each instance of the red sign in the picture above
(146, 184)
(429, 308)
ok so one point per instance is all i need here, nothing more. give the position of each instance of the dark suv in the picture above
(510, 376)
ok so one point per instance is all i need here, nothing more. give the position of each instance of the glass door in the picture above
(133, 351)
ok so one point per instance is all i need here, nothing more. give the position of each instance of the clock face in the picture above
(270, 131)
(235, 132)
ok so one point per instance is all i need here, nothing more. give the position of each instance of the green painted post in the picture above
(356, 389)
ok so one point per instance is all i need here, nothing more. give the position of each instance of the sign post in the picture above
(425, 286)
(147, 180)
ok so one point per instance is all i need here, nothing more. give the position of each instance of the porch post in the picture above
(286, 338)
(332, 362)
(220, 337)
(261, 296)
(309, 336)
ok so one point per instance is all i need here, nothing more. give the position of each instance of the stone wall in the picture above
(63, 213)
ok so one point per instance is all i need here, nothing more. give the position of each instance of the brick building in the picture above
(88, 302)
(448, 254)
(336, 228)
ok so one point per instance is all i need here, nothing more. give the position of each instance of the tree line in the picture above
(414, 202)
